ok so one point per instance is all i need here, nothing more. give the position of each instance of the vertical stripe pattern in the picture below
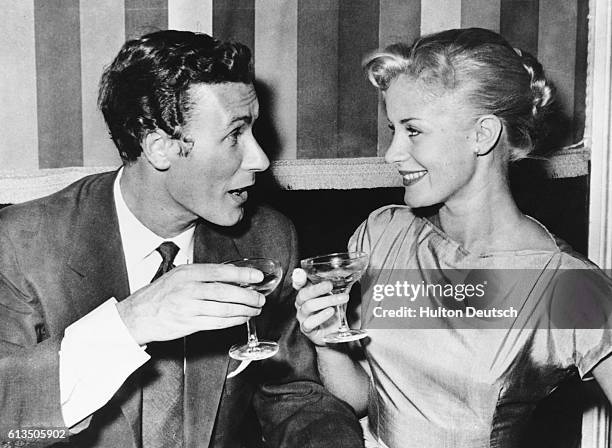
(191, 15)
(559, 57)
(234, 20)
(519, 23)
(317, 84)
(315, 101)
(580, 70)
(481, 14)
(58, 83)
(145, 16)
(399, 21)
(18, 114)
(357, 100)
(437, 15)
(98, 19)
(276, 71)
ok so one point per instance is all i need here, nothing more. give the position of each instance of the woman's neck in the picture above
(488, 220)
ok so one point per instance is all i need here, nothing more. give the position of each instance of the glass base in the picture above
(263, 350)
(345, 336)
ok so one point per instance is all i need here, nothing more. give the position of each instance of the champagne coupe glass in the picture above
(254, 349)
(342, 269)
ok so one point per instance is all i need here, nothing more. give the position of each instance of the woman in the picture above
(462, 105)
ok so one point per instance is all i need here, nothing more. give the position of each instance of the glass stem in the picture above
(252, 334)
(341, 309)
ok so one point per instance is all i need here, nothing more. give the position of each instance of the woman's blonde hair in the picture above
(496, 78)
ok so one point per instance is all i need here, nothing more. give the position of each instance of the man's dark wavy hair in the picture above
(146, 86)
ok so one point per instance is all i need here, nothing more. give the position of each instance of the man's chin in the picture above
(227, 219)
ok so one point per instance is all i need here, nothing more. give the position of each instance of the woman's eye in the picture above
(412, 132)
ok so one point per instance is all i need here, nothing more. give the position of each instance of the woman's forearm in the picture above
(344, 377)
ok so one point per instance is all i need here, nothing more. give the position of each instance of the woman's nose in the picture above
(396, 152)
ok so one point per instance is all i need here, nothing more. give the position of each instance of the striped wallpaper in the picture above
(315, 100)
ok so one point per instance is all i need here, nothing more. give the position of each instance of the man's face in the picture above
(212, 181)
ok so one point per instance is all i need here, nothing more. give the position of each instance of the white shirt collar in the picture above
(139, 241)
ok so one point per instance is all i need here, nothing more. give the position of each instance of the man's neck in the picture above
(146, 197)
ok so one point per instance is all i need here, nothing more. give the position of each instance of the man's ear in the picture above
(488, 133)
(158, 149)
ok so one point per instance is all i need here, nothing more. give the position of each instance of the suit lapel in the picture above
(99, 273)
(206, 351)
(97, 254)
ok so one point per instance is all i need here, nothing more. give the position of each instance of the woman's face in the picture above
(433, 142)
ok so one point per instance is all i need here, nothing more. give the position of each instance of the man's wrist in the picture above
(126, 315)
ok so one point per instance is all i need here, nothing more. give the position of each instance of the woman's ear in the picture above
(158, 148)
(488, 133)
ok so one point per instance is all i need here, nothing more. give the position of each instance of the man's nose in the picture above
(255, 158)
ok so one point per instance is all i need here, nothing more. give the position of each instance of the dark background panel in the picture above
(58, 52)
(145, 16)
(325, 219)
(235, 20)
(317, 82)
(519, 23)
(357, 98)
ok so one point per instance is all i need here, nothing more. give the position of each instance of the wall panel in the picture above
(58, 83)
(18, 114)
(98, 19)
(315, 101)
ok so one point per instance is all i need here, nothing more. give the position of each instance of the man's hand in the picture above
(191, 298)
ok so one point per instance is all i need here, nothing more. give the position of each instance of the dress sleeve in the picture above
(359, 241)
(581, 307)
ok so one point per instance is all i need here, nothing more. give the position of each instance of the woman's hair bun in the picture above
(541, 89)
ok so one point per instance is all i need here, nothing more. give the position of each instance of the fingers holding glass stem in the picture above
(316, 311)
(342, 270)
(255, 349)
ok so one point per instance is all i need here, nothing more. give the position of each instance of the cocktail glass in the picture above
(342, 270)
(254, 349)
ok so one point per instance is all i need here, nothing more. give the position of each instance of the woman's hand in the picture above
(315, 307)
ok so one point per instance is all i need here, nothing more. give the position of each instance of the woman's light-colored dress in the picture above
(462, 381)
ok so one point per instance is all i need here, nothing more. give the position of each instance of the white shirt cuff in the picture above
(97, 355)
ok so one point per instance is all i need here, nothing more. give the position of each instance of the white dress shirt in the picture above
(98, 353)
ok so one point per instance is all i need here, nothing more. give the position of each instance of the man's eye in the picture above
(234, 135)
(392, 128)
(412, 132)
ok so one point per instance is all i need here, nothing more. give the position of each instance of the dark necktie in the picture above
(162, 394)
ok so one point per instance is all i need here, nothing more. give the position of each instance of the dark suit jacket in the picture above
(61, 257)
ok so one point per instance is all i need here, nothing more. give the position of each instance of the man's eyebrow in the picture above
(246, 118)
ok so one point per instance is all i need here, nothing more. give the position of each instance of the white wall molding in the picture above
(302, 174)
(598, 129)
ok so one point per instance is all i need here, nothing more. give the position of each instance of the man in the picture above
(79, 311)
